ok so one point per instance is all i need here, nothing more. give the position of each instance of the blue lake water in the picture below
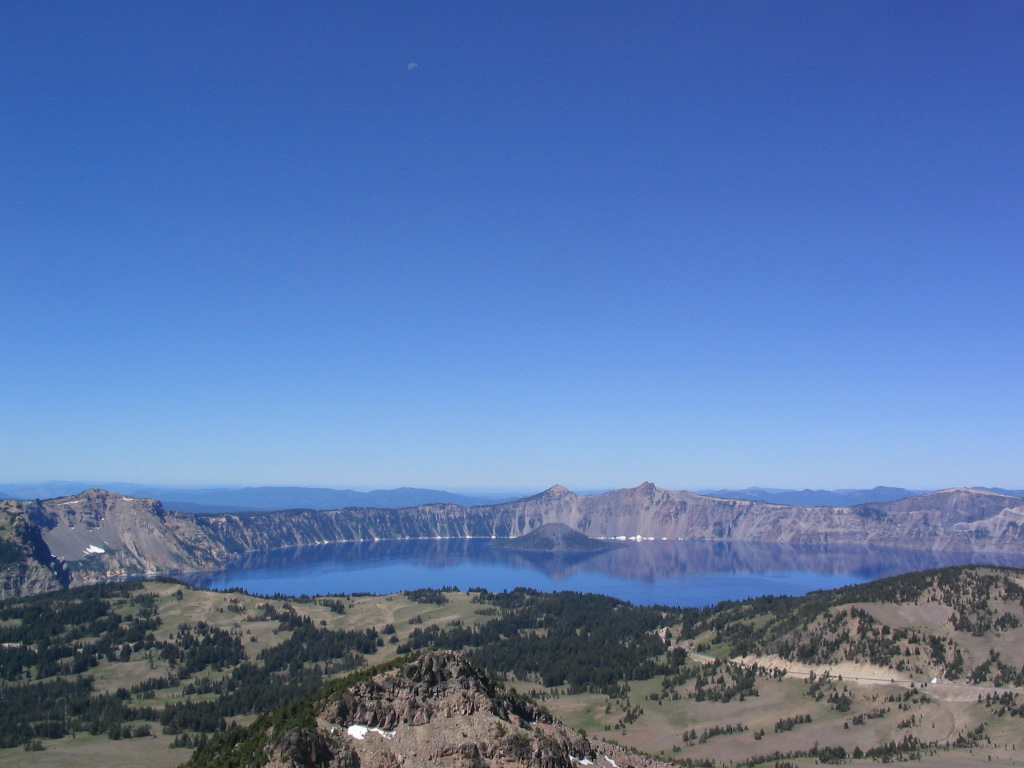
(645, 573)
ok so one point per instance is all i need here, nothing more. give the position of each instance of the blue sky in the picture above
(482, 245)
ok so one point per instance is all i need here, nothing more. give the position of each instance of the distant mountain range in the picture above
(818, 498)
(847, 497)
(259, 499)
(216, 501)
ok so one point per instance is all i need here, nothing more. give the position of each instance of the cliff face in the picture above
(26, 565)
(100, 536)
(959, 519)
(438, 711)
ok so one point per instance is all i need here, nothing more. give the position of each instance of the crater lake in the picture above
(678, 573)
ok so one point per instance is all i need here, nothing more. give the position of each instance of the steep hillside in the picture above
(101, 536)
(26, 565)
(955, 624)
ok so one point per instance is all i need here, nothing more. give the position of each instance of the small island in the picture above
(557, 538)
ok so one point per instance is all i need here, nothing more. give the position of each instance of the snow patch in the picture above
(92, 549)
(359, 732)
(613, 763)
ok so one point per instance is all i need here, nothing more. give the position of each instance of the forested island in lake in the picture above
(556, 539)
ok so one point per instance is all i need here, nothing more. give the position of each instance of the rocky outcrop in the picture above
(436, 685)
(298, 747)
(439, 711)
(1007, 528)
(102, 536)
(26, 564)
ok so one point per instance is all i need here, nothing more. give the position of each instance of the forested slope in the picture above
(156, 665)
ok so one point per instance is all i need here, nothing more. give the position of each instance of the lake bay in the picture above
(645, 573)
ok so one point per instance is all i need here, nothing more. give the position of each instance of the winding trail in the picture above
(946, 691)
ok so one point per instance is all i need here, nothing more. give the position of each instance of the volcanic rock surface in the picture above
(438, 711)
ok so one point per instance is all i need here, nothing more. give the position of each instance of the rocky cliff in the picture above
(958, 519)
(438, 711)
(99, 535)
(26, 565)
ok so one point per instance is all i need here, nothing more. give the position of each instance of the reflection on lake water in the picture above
(647, 572)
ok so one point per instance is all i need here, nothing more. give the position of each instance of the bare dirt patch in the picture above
(847, 670)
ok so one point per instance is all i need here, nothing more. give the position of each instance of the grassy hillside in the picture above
(158, 664)
(144, 671)
(850, 668)
(955, 623)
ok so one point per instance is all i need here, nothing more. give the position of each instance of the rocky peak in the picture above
(439, 710)
(557, 492)
(439, 684)
(94, 503)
